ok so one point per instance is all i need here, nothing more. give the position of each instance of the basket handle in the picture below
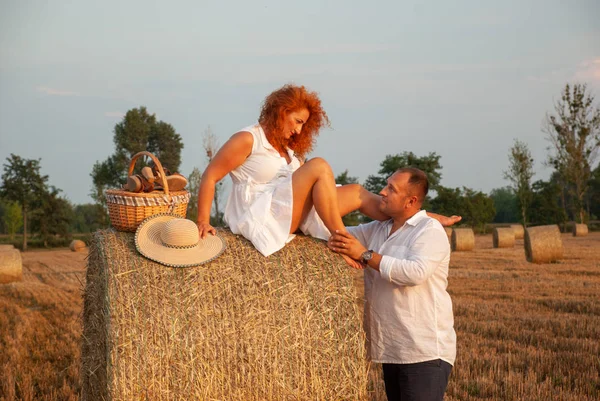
(156, 161)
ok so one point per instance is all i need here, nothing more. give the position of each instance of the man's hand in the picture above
(347, 246)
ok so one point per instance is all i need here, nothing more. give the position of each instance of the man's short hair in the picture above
(418, 180)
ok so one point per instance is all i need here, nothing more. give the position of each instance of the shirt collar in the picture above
(414, 220)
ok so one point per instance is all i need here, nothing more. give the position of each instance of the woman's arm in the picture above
(231, 155)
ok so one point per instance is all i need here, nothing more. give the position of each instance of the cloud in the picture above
(55, 92)
(114, 114)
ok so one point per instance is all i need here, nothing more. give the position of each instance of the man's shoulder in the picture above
(427, 221)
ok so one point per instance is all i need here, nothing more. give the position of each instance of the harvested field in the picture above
(525, 331)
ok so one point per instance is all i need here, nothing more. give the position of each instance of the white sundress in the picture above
(260, 203)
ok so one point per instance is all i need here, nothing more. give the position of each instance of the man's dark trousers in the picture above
(423, 381)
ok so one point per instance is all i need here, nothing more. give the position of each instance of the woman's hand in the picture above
(204, 229)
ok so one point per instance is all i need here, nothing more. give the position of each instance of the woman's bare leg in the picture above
(314, 185)
(353, 197)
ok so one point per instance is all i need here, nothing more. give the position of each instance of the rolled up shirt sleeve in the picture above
(419, 262)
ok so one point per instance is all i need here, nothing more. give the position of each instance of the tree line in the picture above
(572, 193)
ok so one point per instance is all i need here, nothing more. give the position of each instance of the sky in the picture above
(463, 79)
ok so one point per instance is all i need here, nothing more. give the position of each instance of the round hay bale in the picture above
(580, 230)
(463, 239)
(77, 245)
(11, 266)
(6, 247)
(519, 230)
(241, 327)
(503, 237)
(543, 244)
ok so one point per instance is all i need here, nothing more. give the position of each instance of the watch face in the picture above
(367, 255)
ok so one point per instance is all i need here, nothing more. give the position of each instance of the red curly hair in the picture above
(287, 99)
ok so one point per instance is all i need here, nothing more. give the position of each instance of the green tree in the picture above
(505, 202)
(353, 218)
(12, 218)
(193, 185)
(448, 201)
(23, 183)
(519, 173)
(87, 218)
(138, 131)
(478, 209)
(430, 164)
(475, 207)
(52, 216)
(547, 203)
(574, 135)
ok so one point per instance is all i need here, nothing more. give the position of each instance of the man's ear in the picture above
(413, 201)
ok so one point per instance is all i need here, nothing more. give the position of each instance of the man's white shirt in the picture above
(408, 312)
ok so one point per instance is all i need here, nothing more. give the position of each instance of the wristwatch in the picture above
(366, 256)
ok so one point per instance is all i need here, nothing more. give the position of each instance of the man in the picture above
(408, 312)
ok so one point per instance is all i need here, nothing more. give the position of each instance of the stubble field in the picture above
(525, 332)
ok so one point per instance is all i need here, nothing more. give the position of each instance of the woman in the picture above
(274, 194)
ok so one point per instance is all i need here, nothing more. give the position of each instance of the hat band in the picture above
(180, 246)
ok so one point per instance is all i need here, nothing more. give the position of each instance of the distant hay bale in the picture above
(519, 230)
(503, 237)
(448, 232)
(6, 247)
(543, 244)
(242, 327)
(463, 239)
(580, 230)
(77, 245)
(11, 266)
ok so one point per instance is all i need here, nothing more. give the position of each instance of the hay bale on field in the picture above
(463, 239)
(580, 230)
(11, 266)
(77, 245)
(543, 244)
(519, 230)
(6, 247)
(503, 237)
(242, 327)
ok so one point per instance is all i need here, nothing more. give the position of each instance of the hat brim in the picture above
(149, 244)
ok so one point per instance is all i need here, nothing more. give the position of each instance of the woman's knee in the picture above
(319, 165)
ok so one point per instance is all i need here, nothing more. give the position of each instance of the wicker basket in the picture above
(128, 209)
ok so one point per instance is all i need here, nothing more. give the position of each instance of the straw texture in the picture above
(580, 230)
(543, 244)
(519, 230)
(11, 266)
(6, 247)
(463, 239)
(242, 327)
(503, 237)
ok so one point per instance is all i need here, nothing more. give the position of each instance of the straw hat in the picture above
(172, 241)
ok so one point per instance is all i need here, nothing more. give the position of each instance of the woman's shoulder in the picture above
(251, 135)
